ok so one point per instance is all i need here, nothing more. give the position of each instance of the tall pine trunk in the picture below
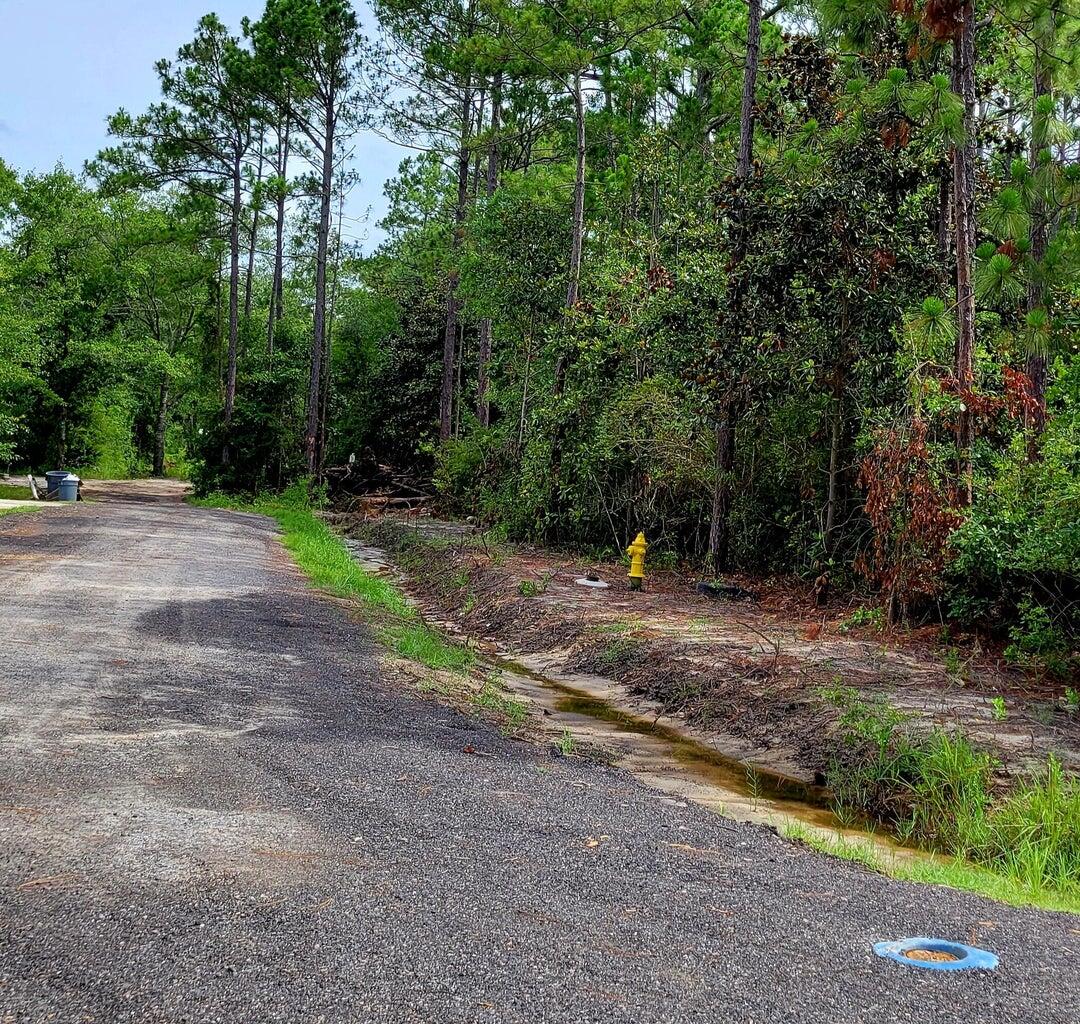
(311, 432)
(453, 305)
(963, 157)
(328, 345)
(573, 289)
(277, 295)
(577, 243)
(720, 526)
(253, 237)
(749, 91)
(483, 403)
(1039, 231)
(234, 303)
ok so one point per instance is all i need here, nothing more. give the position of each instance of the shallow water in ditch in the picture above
(599, 713)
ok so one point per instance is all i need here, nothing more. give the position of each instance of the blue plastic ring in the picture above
(968, 958)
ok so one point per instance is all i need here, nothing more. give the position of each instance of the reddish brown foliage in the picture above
(943, 18)
(912, 515)
(1020, 400)
(881, 261)
(982, 408)
(660, 279)
(896, 135)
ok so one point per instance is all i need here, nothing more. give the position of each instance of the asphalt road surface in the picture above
(213, 807)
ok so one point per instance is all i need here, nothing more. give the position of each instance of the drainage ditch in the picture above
(601, 715)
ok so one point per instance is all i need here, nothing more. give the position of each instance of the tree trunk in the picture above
(219, 324)
(835, 447)
(311, 432)
(578, 230)
(524, 394)
(234, 304)
(446, 394)
(1039, 231)
(577, 246)
(719, 527)
(160, 428)
(277, 296)
(703, 89)
(963, 156)
(483, 405)
(253, 238)
(459, 371)
(749, 91)
(328, 347)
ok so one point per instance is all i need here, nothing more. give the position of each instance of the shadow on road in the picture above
(141, 491)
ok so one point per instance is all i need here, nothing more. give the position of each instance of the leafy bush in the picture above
(1017, 554)
(103, 445)
(1037, 642)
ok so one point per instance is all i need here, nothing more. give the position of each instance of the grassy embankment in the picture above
(936, 869)
(322, 555)
(936, 790)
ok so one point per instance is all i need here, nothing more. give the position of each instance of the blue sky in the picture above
(65, 65)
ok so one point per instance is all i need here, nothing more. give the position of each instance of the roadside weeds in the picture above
(436, 664)
(935, 869)
(1024, 847)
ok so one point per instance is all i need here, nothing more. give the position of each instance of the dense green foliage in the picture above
(658, 267)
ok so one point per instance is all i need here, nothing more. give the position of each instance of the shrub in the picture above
(1037, 642)
(1017, 554)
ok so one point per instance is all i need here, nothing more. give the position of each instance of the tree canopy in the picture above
(794, 287)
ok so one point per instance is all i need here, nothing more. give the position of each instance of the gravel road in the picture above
(214, 808)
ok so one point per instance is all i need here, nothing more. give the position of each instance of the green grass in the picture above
(613, 627)
(937, 790)
(324, 558)
(15, 492)
(18, 509)
(954, 872)
(493, 699)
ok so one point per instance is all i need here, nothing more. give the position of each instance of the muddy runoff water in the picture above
(600, 715)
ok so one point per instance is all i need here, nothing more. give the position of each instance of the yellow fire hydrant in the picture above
(636, 551)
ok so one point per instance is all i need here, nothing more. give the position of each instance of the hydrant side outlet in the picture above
(636, 551)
